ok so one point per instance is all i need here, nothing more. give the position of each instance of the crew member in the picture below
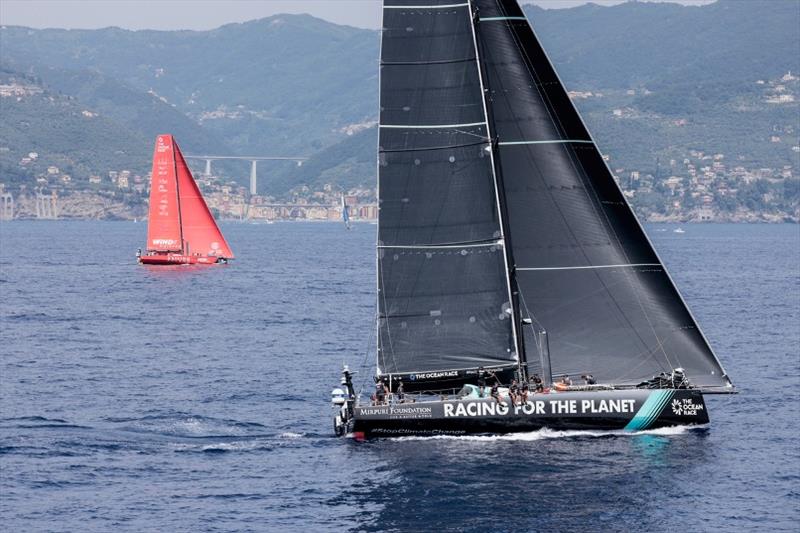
(380, 393)
(495, 392)
(524, 389)
(589, 379)
(481, 381)
(513, 392)
(536, 381)
(399, 393)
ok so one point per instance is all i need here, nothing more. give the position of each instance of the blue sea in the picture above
(183, 399)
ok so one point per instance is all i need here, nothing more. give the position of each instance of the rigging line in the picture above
(528, 311)
(363, 366)
(388, 329)
(378, 273)
(486, 140)
(430, 126)
(437, 62)
(650, 353)
(483, 140)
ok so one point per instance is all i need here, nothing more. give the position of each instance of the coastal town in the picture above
(700, 186)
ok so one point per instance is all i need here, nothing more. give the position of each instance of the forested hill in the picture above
(297, 85)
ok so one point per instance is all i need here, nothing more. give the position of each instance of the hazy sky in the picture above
(205, 14)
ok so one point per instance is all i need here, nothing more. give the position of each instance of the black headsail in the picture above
(443, 281)
(586, 272)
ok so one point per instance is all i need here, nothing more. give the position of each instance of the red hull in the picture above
(179, 259)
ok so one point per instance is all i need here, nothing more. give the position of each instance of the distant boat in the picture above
(345, 213)
(679, 230)
(181, 229)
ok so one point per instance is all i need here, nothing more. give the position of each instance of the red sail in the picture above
(164, 224)
(201, 235)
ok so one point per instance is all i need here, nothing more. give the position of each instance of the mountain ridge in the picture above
(298, 85)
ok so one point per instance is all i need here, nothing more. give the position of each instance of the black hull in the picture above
(630, 410)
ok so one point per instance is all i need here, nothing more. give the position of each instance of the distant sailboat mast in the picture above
(345, 213)
(184, 244)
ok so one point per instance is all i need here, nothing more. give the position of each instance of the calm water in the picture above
(187, 400)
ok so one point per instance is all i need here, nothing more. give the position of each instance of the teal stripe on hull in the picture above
(650, 410)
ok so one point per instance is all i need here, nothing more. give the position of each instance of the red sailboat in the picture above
(181, 229)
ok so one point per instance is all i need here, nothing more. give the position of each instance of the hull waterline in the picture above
(179, 259)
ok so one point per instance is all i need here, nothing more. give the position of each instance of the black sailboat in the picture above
(506, 249)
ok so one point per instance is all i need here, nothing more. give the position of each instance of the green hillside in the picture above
(64, 133)
(273, 86)
(665, 79)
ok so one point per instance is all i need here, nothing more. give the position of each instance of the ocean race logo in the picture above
(433, 375)
(539, 407)
(686, 407)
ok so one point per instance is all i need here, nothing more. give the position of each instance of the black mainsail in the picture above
(496, 209)
(443, 293)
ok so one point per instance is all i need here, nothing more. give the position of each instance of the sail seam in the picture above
(590, 266)
(431, 148)
(430, 126)
(438, 62)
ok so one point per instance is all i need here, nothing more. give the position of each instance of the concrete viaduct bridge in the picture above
(253, 164)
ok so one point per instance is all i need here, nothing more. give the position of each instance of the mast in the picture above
(513, 291)
(378, 343)
(178, 192)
